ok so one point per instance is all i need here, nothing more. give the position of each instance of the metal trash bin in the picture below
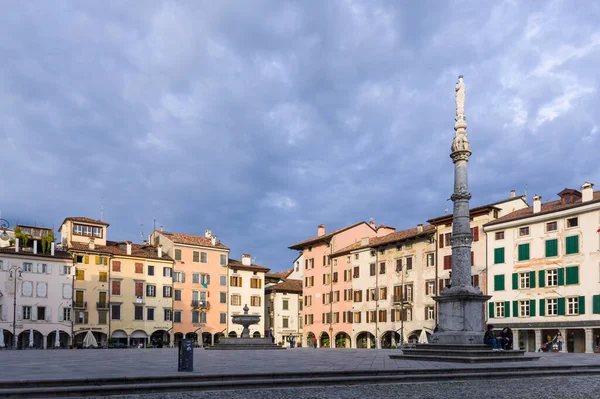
(186, 355)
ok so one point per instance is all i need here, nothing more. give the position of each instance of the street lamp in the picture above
(402, 307)
(4, 225)
(15, 273)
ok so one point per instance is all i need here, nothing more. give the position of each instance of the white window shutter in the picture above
(4, 312)
(48, 313)
(20, 313)
(49, 269)
(182, 277)
(61, 314)
(34, 267)
(61, 270)
(5, 266)
(34, 313)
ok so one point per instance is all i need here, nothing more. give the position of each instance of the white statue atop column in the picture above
(460, 142)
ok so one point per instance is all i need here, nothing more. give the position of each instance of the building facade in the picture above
(41, 282)
(544, 271)
(200, 283)
(283, 310)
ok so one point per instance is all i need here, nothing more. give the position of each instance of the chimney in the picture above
(246, 260)
(159, 251)
(321, 230)
(364, 241)
(128, 247)
(419, 228)
(537, 204)
(16, 245)
(587, 192)
(213, 240)
(92, 243)
(161, 228)
(35, 247)
(513, 193)
(372, 223)
(207, 233)
(52, 249)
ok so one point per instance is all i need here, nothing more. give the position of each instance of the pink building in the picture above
(325, 283)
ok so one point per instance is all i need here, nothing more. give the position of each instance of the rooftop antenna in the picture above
(253, 260)
(101, 207)
(154, 226)
(526, 198)
(141, 233)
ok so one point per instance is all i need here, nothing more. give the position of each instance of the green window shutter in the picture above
(551, 248)
(542, 279)
(498, 255)
(524, 252)
(581, 305)
(572, 275)
(515, 278)
(561, 306)
(515, 309)
(572, 245)
(542, 307)
(491, 310)
(506, 309)
(499, 282)
(532, 279)
(596, 304)
(561, 276)
(532, 307)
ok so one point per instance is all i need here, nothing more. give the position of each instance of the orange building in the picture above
(199, 284)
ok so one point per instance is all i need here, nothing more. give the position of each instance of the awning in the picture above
(139, 334)
(119, 334)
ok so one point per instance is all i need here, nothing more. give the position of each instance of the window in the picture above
(178, 277)
(203, 257)
(138, 313)
(235, 281)
(475, 233)
(223, 318)
(41, 313)
(150, 314)
(356, 256)
(572, 245)
(255, 300)
(524, 308)
(572, 222)
(285, 304)
(524, 281)
(103, 277)
(429, 312)
(167, 315)
(285, 322)
(97, 231)
(223, 260)
(409, 263)
(223, 281)
(66, 314)
(79, 274)
(551, 248)
(308, 300)
(335, 262)
(236, 300)
(222, 297)
(115, 312)
(150, 270)
(178, 258)
(195, 278)
(382, 316)
(398, 265)
(116, 287)
(382, 293)
(408, 292)
(177, 295)
(357, 296)
(357, 317)
(551, 226)
(167, 291)
(177, 316)
(116, 266)
(524, 231)
(573, 306)
(430, 259)
(139, 289)
(167, 272)
(499, 310)
(80, 259)
(499, 235)
(552, 278)
(150, 290)
(430, 287)
(26, 312)
(523, 252)
(448, 239)
(499, 282)
(372, 269)
(67, 270)
(381, 267)
(448, 262)
(334, 277)
(552, 307)
(356, 272)
(78, 229)
(195, 317)
(255, 283)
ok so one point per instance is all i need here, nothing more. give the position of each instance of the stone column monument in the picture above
(461, 308)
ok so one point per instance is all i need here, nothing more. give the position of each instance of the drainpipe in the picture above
(437, 262)
(108, 262)
(376, 297)
(331, 337)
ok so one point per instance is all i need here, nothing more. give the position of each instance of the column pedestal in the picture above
(461, 318)
(589, 340)
(538, 339)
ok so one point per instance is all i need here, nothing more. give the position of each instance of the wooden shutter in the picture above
(86, 259)
(472, 258)
(139, 289)
(476, 233)
(542, 307)
(582, 305)
(447, 262)
(441, 285)
(97, 259)
(426, 288)
(398, 265)
(441, 240)
(515, 281)
(476, 280)
(542, 278)
(393, 315)
(491, 310)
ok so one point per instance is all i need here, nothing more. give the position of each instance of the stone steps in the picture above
(462, 354)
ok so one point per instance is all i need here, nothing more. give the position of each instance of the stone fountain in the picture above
(245, 341)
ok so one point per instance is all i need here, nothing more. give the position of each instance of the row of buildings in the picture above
(368, 286)
(174, 286)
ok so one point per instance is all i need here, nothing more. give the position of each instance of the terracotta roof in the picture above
(280, 275)
(548, 207)
(83, 219)
(388, 239)
(287, 286)
(188, 239)
(477, 209)
(236, 264)
(302, 244)
(113, 248)
(57, 254)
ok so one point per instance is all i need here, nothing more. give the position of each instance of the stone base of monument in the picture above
(244, 344)
(459, 353)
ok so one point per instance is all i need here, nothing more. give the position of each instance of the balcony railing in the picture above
(79, 305)
(102, 305)
(398, 299)
(200, 304)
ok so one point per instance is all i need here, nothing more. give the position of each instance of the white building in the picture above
(44, 288)
(246, 287)
(284, 310)
(544, 271)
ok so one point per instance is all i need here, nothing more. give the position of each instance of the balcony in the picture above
(398, 300)
(79, 305)
(102, 305)
(200, 304)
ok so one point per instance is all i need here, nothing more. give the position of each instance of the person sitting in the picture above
(490, 339)
(506, 338)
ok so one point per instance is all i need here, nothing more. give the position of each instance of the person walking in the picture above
(559, 340)
(315, 342)
(291, 340)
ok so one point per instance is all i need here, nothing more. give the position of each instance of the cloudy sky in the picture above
(262, 119)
